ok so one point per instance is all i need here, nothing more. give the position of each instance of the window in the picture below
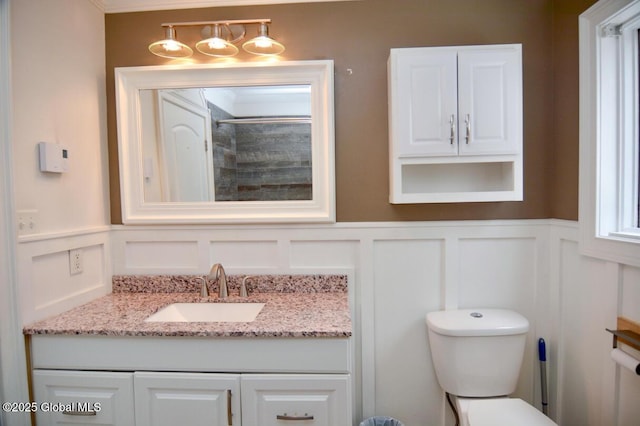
(610, 131)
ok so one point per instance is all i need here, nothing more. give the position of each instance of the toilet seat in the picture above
(505, 412)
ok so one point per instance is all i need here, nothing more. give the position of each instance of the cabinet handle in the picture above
(452, 119)
(79, 413)
(286, 417)
(229, 413)
(467, 121)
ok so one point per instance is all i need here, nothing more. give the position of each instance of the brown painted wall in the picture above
(564, 152)
(357, 35)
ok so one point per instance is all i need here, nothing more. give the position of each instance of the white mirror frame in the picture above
(317, 74)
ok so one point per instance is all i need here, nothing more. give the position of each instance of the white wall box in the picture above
(455, 124)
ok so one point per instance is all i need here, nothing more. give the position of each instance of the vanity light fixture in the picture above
(216, 45)
(263, 44)
(219, 40)
(170, 47)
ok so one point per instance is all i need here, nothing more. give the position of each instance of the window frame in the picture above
(609, 131)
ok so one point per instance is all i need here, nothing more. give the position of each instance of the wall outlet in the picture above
(75, 261)
(27, 222)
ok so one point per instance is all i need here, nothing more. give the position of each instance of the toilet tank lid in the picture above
(477, 322)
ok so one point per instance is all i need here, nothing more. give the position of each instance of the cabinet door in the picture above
(490, 100)
(83, 398)
(290, 399)
(423, 104)
(193, 399)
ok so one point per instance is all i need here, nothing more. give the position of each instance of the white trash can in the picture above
(381, 421)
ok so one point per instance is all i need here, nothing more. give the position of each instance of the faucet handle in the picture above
(204, 290)
(243, 286)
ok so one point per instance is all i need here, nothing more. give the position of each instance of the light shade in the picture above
(170, 47)
(263, 44)
(216, 45)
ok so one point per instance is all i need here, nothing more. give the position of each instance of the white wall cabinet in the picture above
(194, 399)
(455, 124)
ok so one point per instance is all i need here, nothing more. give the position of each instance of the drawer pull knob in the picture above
(286, 417)
(79, 413)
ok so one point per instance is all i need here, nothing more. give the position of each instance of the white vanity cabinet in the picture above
(194, 399)
(455, 123)
(157, 381)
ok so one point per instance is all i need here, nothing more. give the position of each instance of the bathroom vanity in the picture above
(103, 363)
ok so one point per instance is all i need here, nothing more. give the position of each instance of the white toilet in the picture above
(477, 354)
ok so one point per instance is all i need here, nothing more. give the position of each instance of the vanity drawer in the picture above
(274, 400)
(83, 398)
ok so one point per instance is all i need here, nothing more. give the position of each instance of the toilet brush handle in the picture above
(542, 355)
(542, 350)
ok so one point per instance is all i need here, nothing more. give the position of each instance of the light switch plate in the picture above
(27, 222)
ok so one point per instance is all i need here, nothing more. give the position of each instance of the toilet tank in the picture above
(477, 352)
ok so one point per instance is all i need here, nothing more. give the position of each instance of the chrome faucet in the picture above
(217, 273)
(243, 287)
(204, 290)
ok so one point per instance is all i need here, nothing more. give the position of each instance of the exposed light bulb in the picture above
(263, 42)
(171, 46)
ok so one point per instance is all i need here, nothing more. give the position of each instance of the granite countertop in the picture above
(295, 306)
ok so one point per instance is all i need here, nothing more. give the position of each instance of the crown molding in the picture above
(99, 4)
(117, 6)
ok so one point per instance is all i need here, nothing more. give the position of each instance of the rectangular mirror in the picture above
(241, 143)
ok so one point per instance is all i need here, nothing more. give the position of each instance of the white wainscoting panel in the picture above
(144, 255)
(407, 284)
(245, 254)
(47, 286)
(397, 273)
(329, 254)
(587, 304)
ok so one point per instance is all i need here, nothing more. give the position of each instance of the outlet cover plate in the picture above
(75, 261)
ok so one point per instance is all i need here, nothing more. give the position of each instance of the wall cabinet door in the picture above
(193, 399)
(455, 100)
(423, 102)
(83, 398)
(489, 100)
(313, 400)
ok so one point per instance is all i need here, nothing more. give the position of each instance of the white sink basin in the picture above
(207, 312)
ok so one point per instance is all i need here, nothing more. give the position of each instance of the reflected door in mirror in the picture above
(184, 150)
